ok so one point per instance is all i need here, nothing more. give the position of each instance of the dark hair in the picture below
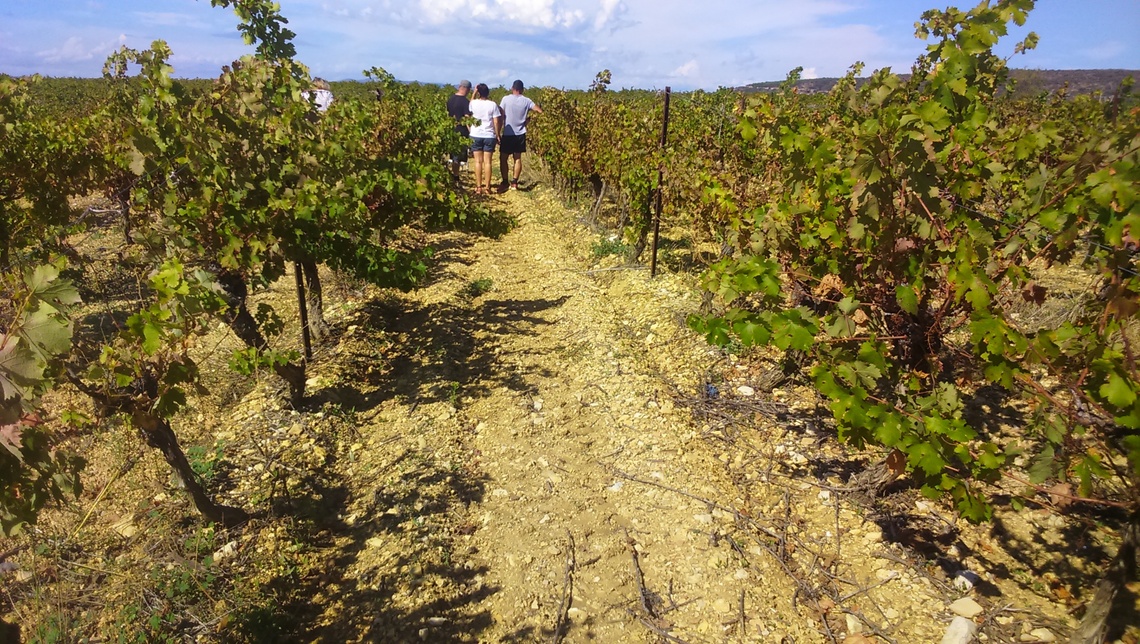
(482, 91)
(517, 86)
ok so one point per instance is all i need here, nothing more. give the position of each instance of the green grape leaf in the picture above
(842, 327)
(974, 507)
(714, 329)
(934, 115)
(748, 130)
(868, 373)
(1042, 467)
(152, 338)
(170, 402)
(751, 333)
(46, 286)
(923, 456)
(907, 299)
(46, 332)
(19, 368)
(1118, 391)
(889, 431)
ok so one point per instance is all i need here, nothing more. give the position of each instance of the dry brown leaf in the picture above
(1063, 594)
(896, 462)
(1060, 495)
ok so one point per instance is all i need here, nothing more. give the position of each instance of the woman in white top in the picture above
(484, 136)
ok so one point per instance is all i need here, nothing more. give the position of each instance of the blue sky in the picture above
(646, 43)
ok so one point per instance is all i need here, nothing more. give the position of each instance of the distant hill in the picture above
(1028, 81)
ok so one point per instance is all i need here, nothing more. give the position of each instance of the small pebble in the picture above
(961, 631)
(1039, 635)
(966, 607)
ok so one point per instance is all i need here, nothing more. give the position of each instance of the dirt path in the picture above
(535, 442)
(560, 454)
(520, 471)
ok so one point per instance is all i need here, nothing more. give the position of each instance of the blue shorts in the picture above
(483, 145)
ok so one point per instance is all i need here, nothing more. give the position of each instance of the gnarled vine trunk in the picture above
(1105, 611)
(244, 326)
(158, 434)
(644, 226)
(314, 300)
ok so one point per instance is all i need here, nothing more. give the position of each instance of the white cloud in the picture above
(606, 12)
(338, 11)
(77, 49)
(540, 14)
(551, 60)
(809, 73)
(689, 69)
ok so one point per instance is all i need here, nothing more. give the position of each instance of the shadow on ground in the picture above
(438, 352)
(367, 540)
(385, 567)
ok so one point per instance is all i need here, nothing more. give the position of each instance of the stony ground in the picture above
(555, 433)
(536, 448)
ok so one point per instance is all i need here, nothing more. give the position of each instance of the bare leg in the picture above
(488, 164)
(518, 166)
(478, 171)
(503, 171)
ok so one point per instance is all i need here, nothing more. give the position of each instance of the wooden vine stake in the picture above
(660, 181)
(305, 338)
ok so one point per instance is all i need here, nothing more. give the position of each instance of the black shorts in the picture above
(513, 144)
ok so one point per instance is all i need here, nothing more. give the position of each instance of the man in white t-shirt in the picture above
(516, 112)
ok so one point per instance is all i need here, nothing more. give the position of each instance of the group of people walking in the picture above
(501, 125)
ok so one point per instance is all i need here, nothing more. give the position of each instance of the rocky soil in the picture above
(600, 473)
(535, 447)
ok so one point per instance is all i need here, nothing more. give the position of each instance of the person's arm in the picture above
(533, 108)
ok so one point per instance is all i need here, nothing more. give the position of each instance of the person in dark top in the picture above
(458, 107)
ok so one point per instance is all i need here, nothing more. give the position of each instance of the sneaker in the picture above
(514, 185)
